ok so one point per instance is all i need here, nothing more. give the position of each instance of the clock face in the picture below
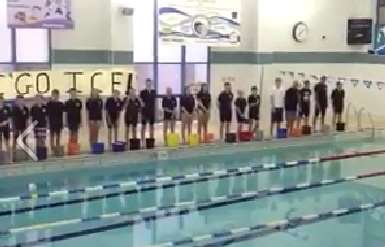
(300, 31)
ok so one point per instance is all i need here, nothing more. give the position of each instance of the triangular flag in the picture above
(291, 74)
(301, 74)
(330, 79)
(380, 85)
(368, 83)
(315, 77)
(355, 82)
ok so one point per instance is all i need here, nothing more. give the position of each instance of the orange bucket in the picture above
(209, 138)
(296, 132)
(73, 148)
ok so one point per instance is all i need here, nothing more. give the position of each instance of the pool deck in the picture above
(163, 153)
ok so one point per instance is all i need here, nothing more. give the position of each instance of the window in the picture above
(5, 35)
(169, 76)
(169, 65)
(196, 54)
(143, 71)
(32, 46)
(169, 53)
(144, 29)
(196, 73)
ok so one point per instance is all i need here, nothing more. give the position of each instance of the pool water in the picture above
(115, 219)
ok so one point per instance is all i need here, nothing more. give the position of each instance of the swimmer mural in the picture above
(50, 14)
(214, 22)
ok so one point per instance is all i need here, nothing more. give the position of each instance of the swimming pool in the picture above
(237, 195)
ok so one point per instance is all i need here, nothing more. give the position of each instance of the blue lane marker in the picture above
(155, 213)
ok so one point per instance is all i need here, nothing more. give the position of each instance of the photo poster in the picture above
(30, 83)
(46, 14)
(207, 22)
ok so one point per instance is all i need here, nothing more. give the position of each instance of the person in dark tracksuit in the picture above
(321, 101)
(304, 104)
(114, 106)
(187, 105)
(94, 106)
(338, 101)
(169, 104)
(5, 130)
(225, 105)
(55, 111)
(240, 107)
(39, 117)
(73, 110)
(254, 102)
(132, 107)
(291, 106)
(204, 107)
(20, 115)
(148, 101)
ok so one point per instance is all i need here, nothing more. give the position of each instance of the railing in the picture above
(358, 115)
(370, 116)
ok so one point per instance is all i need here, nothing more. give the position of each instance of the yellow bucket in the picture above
(194, 140)
(173, 140)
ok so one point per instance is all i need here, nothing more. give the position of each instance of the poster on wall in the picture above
(208, 22)
(50, 14)
(29, 83)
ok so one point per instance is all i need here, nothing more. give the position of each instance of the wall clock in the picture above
(300, 31)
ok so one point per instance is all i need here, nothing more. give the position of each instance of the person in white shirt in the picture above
(277, 105)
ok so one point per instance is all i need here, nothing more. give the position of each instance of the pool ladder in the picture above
(358, 113)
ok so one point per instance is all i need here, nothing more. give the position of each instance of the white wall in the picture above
(92, 27)
(98, 26)
(324, 17)
(249, 27)
(121, 27)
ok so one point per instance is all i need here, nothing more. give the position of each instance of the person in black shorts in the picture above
(187, 105)
(73, 109)
(254, 105)
(291, 106)
(132, 106)
(304, 104)
(225, 103)
(5, 115)
(20, 115)
(55, 111)
(39, 117)
(114, 106)
(169, 105)
(240, 107)
(94, 106)
(148, 99)
(338, 101)
(204, 106)
(321, 101)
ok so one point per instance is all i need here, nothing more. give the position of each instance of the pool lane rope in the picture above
(150, 184)
(249, 233)
(184, 208)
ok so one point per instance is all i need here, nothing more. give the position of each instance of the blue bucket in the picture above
(98, 148)
(282, 133)
(118, 147)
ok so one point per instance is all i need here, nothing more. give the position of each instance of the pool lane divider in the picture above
(166, 182)
(184, 208)
(237, 235)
